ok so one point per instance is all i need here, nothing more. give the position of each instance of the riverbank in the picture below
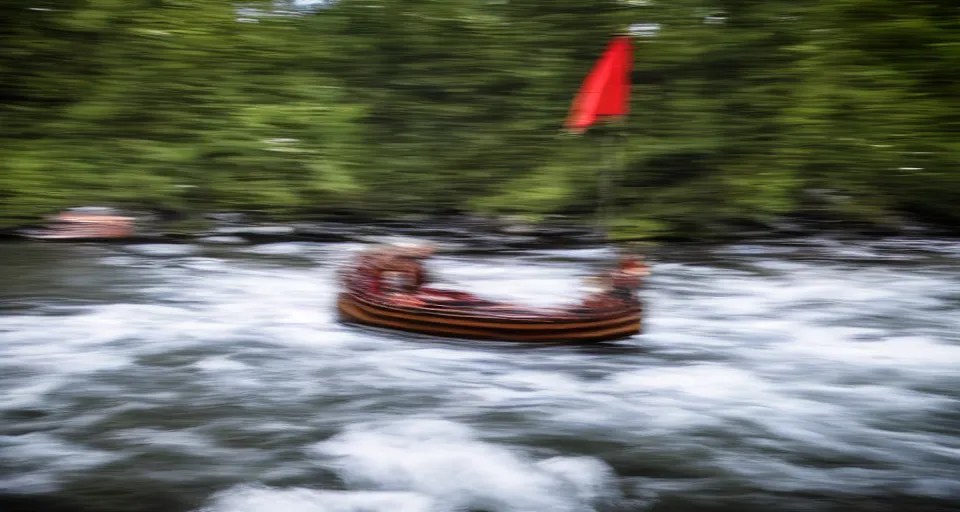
(470, 233)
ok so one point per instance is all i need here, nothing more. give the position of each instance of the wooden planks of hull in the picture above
(615, 325)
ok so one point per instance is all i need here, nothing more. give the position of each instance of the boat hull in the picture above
(591, 329)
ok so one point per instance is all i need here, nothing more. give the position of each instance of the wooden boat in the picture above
(602, 316)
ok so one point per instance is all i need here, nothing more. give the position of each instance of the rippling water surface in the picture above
(813, 375)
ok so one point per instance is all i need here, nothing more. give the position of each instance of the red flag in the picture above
(606, 91)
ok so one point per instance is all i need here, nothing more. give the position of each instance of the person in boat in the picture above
(407, 275)
(395, 272)
(627, 278)
(369, 273)
(411, 261)
(400, 290)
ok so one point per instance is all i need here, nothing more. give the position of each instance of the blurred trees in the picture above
(739, 107)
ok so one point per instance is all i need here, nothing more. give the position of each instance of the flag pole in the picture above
(604, 184)
(605, 96)
(616, 146)
(613, 151)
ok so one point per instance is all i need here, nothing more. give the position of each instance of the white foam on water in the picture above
(44, 459)
(591, 254)
(919, 354)
(221, 364)
(162, 249)
(446, 461)
(782, 375)
(264, 499)
(520, 283)
(279, 249)
(710, 383)
(224, 240)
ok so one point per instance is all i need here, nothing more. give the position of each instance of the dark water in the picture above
(814, 375)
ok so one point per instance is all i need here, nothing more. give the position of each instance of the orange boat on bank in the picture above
(84, 224)
(384, 288)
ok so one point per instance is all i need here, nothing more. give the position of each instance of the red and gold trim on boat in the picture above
(612, 325)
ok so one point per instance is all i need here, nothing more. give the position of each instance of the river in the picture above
(810, 374)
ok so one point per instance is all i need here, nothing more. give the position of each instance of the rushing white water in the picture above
(782, 376)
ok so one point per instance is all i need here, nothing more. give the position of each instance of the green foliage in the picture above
(387, 107)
